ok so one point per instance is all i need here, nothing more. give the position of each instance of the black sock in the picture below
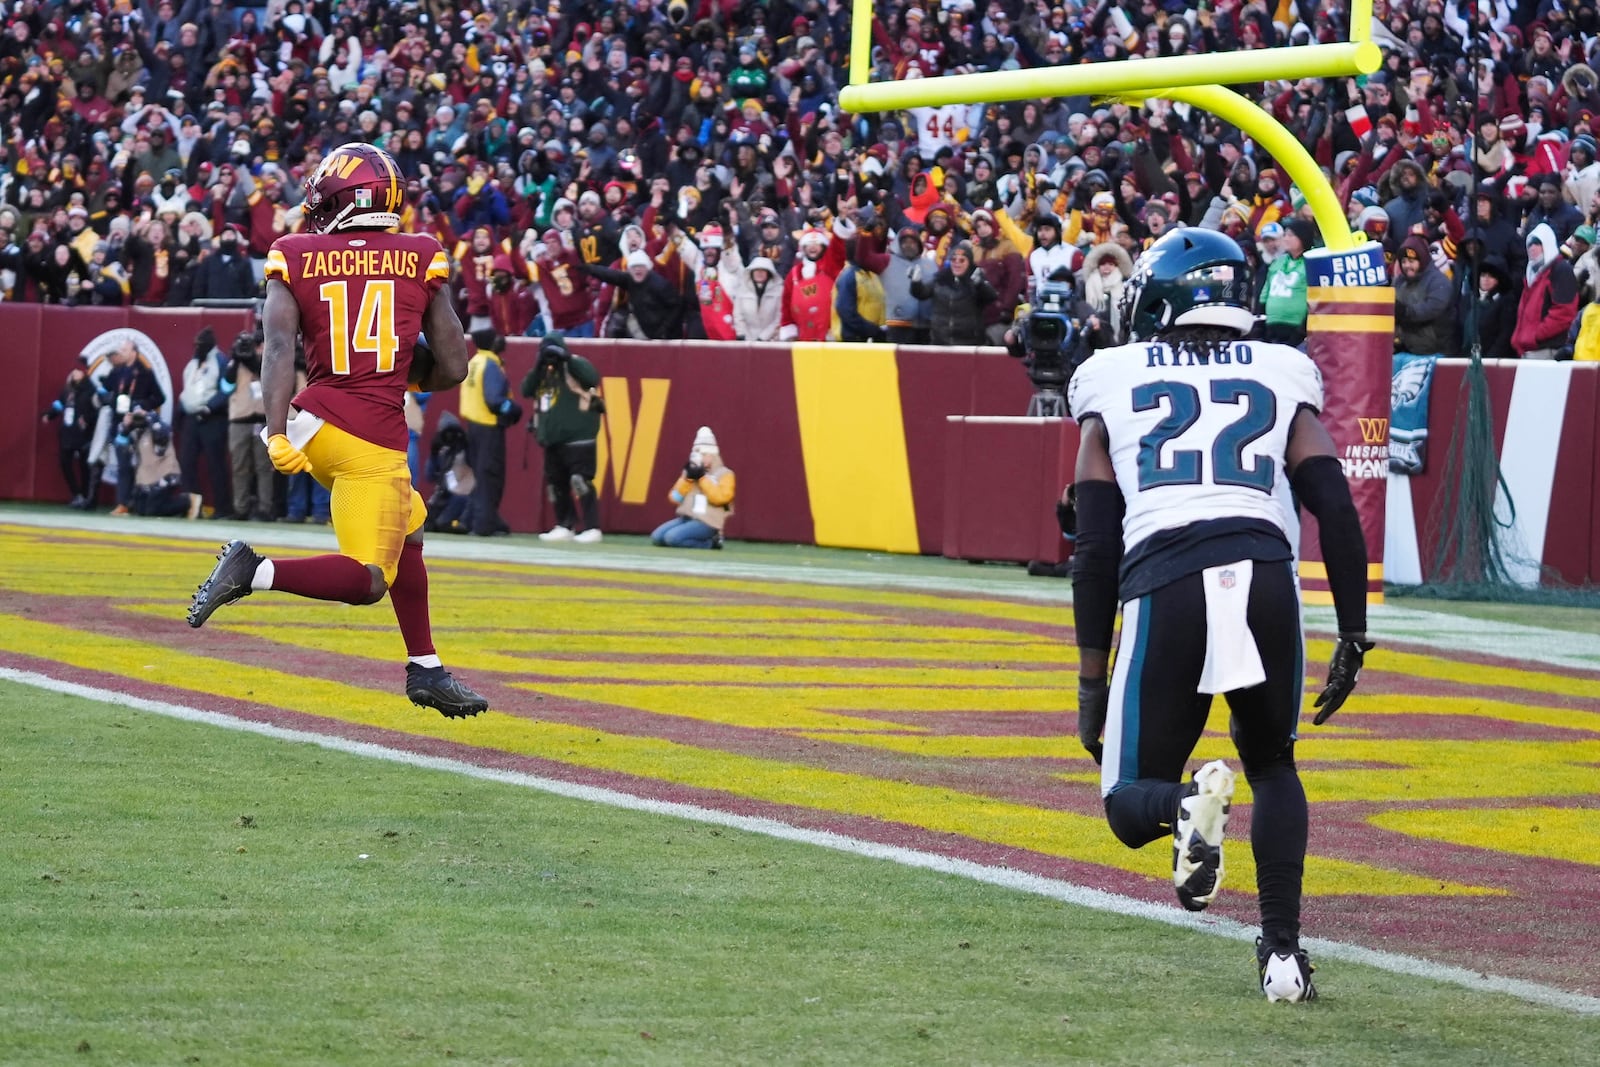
(1278, 827)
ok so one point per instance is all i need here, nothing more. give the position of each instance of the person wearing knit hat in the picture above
(1423, 302)
(1582, 177)
(704, 498)
(711, 314)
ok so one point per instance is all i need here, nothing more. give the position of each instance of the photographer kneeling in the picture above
(704, 496)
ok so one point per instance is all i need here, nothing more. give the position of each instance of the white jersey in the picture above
(1198, 445)
(940, 127)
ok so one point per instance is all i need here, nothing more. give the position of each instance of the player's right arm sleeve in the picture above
(1320, 485)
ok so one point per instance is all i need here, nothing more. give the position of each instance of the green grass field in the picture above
(175, 893)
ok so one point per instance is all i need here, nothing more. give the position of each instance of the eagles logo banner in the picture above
(1408, 425)
(1350, 336)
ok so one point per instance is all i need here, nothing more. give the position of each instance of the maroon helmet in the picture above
(356, 187)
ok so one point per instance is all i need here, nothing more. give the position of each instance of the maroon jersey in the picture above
(362, 295)
(566, 289)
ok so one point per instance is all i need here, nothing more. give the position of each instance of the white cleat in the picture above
(1197, 836)
(1285, 974)
(588, 537)
(556, 533)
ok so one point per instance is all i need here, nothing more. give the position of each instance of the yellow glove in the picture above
(286, 457)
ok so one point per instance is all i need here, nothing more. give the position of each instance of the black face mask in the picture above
(230, 248)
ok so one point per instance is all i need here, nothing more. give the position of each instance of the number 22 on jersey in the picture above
(1258, 410)
(374, 330)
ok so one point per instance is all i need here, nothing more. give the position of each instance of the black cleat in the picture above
(229, 581)
(1285, 972)
(437, 688)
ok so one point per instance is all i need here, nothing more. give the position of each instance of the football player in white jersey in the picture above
(1187, 433)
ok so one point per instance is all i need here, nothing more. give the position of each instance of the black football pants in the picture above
(1161, 718)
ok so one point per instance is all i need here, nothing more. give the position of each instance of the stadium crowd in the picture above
(682, 169)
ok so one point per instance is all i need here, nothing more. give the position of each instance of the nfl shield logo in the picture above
(1226, 579)
(363, 198)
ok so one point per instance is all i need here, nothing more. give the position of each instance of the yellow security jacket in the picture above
(473, 407)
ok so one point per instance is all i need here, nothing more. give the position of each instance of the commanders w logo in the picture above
(1374, 431)
(340, 164)
(628, 445)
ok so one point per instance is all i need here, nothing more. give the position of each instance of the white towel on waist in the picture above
(1232, 659)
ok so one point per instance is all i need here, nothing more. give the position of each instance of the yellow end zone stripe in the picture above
(1355, 294)
(1315, 568)
(1323, 598)
(1349, 324)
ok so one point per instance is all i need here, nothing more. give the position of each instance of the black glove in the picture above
(693, 471)
(1343, 671)
(509, 415)
(1093, 696)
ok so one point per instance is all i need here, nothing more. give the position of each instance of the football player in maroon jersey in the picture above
(359, 293)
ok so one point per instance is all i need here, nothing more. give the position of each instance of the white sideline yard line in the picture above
(1005, 878)
(1438, 630)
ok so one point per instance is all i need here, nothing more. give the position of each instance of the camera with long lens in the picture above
(245, 345)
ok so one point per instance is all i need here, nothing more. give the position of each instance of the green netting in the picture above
(1477, 554)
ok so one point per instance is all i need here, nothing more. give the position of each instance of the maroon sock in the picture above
(409, 595)
(324, 578)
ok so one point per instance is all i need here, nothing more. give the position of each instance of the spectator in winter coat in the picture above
(1552, 210)
(1582, 176)
(959, 294)
(1549, 301)
(858, 305)
(1424, 312)
(1499, 231)
(225, 273)
(758, 304)
(655, 307)
(905, 316)
(1410, 204)
(1496, 312)
(1105, 269)
(1003, 265)
(808, 291)
(717, 274)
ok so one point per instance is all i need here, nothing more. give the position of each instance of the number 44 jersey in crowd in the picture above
(1198, 436)
(362, 295)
